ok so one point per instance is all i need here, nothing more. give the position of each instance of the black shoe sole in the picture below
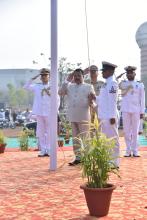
(127, 156)
(74, 163)
(45, 155)
(136, 155)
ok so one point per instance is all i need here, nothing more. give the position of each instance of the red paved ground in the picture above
(29, 191)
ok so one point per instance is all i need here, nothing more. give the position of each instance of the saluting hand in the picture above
(35, 77)
(86, 71)
(70, 77)
(112, 121)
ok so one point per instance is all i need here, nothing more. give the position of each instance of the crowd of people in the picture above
(89, 100)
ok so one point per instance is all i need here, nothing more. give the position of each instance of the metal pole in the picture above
(54, 85)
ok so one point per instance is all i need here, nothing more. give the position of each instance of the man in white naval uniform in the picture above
(132, 107)
(107, 107)
(41, 108)
(79, 97)
(97, 84)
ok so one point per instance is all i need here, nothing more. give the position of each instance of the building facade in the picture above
(16, 77)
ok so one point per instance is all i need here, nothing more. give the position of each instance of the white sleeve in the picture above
(142, 99)
(30, 86)
(58, 101)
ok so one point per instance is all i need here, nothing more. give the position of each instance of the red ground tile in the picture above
(30, 191)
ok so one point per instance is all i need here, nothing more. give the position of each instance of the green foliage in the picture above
(65, 128)
(97, 159)
(29, 132)
(12, 95)
(2, 138)
(145, 128)
(17, 97)
(24, 141)
(21, 96)
(24, 138)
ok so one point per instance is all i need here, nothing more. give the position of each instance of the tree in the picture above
(12, 95)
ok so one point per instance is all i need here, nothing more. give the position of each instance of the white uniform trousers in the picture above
(43, 133)
(111, 131)
(131, 122)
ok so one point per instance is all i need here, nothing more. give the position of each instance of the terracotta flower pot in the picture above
(2, 148)
(98, 199)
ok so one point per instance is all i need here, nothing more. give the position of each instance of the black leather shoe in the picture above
(127, 155)
(46, 155)
(134, 155)
(74, 163)
(41, 155)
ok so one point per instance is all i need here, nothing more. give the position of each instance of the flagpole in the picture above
(54, 85)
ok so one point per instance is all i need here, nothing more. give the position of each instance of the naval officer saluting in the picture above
(132, 107)
(107, 107)
(41, 108)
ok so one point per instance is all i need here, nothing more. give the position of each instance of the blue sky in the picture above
(25, 31)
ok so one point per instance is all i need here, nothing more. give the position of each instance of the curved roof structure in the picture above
(141, 35)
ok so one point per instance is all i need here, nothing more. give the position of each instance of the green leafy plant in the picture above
(24, 141)
(29, 132)
(97, 159)
(145, 128)
(66, 128)
(2, 138)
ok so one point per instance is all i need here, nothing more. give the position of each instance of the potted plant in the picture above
(24, 140)
(97, 164)
(2, 142)
(67, 127)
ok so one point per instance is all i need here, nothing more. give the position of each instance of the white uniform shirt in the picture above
(133, 99)
(42, 101)
(107, 100)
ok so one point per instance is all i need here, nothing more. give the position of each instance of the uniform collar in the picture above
(45, 84)
(109, 79)
(132, 80)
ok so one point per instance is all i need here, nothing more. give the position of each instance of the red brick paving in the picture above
(29, 191)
